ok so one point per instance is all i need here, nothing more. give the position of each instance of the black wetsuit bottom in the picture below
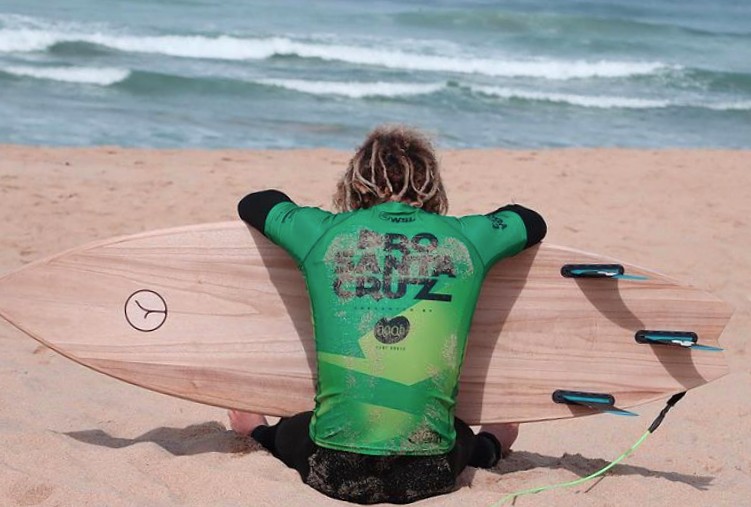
(367, 479)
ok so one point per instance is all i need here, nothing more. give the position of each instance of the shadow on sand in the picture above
(191, 440)
(214, 437)
(520, 461)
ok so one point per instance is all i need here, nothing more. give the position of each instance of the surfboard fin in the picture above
(685, 339)
(598, 271)
(596, 401)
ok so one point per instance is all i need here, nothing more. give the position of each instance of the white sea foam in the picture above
(595, 101)
(103, 76)
(355, 89)
(741, 105)
(496, 67)
(234, 48)
(27, 40)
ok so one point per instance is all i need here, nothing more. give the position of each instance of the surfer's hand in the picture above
(505, 433)
(243, 423)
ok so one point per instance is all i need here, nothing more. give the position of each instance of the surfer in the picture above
(393, 284)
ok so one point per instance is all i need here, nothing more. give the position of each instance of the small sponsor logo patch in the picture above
(391, 331)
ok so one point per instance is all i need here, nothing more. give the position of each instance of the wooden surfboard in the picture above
(217, 314)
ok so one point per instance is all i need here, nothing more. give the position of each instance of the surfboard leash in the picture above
(652, 428)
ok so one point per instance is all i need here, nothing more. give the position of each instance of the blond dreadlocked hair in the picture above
(395, 163)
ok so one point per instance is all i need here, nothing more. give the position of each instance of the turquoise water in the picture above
(278, 74)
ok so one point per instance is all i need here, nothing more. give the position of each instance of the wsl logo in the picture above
(145, 310)
(391, 331)
(387, 265)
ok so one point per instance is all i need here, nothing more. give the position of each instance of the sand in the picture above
(72, 437)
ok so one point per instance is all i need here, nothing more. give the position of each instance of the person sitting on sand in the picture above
(393, 285)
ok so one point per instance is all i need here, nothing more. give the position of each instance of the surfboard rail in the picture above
(216, 313)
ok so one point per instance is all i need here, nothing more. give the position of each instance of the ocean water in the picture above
(282, 73)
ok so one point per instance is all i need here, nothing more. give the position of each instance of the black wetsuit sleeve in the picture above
(254, 208)
(533, 222)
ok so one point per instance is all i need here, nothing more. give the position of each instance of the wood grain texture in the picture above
(237, 330)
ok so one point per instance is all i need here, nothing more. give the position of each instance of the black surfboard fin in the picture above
(595, 401)
(685, 339)
(615, 271)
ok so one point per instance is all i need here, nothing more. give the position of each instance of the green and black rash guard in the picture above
(393, 289)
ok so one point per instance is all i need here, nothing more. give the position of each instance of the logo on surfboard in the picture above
(145, 310)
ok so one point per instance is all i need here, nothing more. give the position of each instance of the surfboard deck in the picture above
(217, 314)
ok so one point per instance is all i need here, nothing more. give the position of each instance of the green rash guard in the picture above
(393, 289)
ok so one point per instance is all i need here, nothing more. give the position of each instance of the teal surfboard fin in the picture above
(596, 401)
(685, 339)
(615, 271)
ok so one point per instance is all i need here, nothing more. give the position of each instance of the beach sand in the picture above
(72, 437)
